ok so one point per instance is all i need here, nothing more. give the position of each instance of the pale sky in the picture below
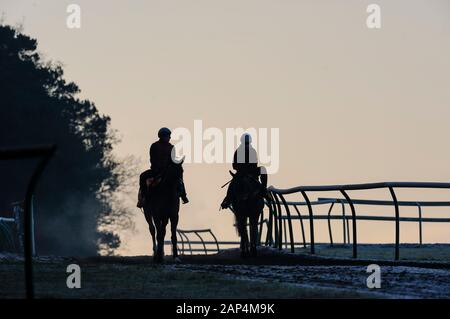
(352, 104)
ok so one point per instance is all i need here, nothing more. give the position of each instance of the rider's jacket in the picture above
(160, 155)
(245, 160)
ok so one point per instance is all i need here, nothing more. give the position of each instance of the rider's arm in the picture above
(252, 156)
(152, 154)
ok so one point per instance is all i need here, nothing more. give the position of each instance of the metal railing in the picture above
(278, 223)
(419, 219)
(188, 245)
(278, 202)
(7, 233)
(43, 153)
(13, 228)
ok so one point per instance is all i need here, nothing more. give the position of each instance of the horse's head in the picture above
(174, 170)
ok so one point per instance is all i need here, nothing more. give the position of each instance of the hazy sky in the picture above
(352, 104)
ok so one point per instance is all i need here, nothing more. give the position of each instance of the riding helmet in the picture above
(246, 138)
(163, 132)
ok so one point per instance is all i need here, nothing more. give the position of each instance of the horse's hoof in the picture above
(158, 258)
(253, 252)
(177, 260)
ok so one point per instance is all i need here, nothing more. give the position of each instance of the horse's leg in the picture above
(173, 228)
(153, 233)
(157, 221)
(238, 221)
(244, 236)
(247, 252)
(161, 234)
(151, 227)
(253, 235)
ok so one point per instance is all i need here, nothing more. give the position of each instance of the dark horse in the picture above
(247, 204)
(161, 204)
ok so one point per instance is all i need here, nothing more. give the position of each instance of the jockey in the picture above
(161, 152)
(245, 162)
(160, 157)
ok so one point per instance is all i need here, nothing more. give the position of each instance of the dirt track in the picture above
(399, 279)
(397, 282)
(273, 274)
(403, 279)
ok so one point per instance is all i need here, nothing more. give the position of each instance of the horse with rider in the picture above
(161, 187)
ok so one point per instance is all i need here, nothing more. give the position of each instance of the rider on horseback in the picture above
(160, 158)
(245, 162)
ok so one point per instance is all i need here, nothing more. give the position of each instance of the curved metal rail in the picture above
(7, 232)
(44, 153)
(276, 193)
(420, 219)
(184, 236)
(187, 243)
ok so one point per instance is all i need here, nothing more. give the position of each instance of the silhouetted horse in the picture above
(162, 203)
(147, 212)
(247, 204)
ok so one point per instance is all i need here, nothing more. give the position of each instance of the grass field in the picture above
(408, 252)
(114, 280)
(422, 272)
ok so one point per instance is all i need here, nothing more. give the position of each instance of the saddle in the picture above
(152, 181)
(147, 182)
(246, 186)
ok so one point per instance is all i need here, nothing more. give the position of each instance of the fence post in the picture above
(329, 224)
(291, 234)
(301, 224)
(215, 239)
(397, 224)
(420, 223)
(311, 221)
(19, 212)
(352, 207)
(279, 222)
(275, 220)
(201, 239)
(269, 235)
(187, 240)
(33, 239)
(47, 154)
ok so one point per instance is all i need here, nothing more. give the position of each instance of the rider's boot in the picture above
(225, 203)
(140, 202)
(182, 191)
